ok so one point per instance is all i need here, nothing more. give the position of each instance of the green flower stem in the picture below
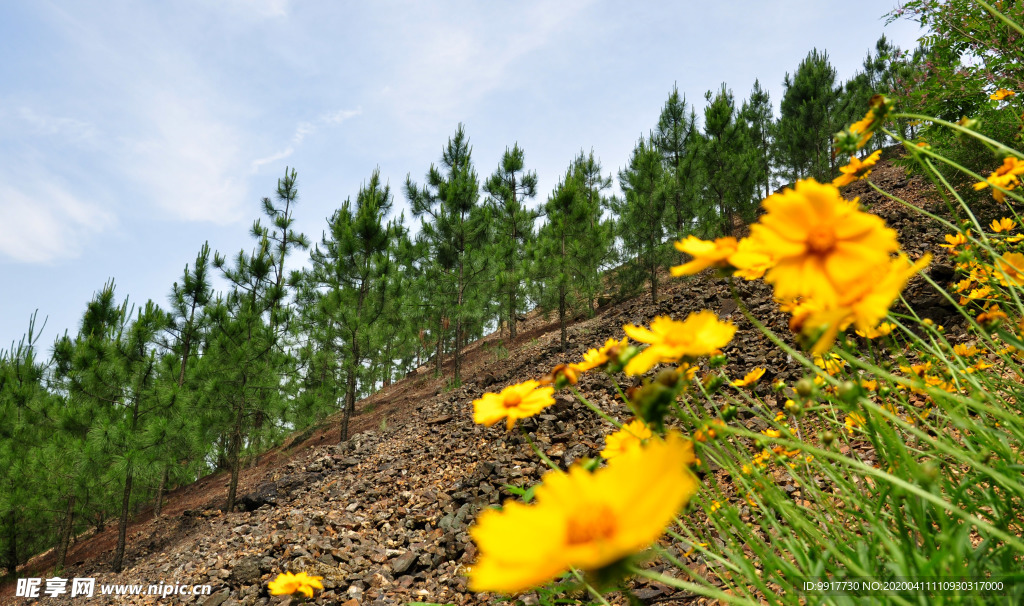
(688, 586)
(1001, 16)
(592, 406)
(1011, 540)
(590, 588)
(539, 452)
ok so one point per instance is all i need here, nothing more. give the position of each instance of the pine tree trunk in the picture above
(561, 315)
(234, 456)
(458, 329)
(440, 346)
(11, 556)
(512, 316)
(160, 492)
(350, 403)
(654, 284)
(122, 524)
(65, 533)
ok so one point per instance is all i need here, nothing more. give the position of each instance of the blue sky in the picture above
(132, 132)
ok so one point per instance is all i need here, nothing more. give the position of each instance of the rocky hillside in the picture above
(384, 517)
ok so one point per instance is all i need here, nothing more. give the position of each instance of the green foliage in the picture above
(573, 244)
(807, 120)
(641, 214)
(731, 163)
(678, 140)
(454, 234)
(512, 225)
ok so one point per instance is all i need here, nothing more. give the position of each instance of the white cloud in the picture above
(303, 130)
(45, 222)
(260, 8)
(187, 160)
(68, 128)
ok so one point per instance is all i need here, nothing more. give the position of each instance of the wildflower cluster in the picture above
(831, 264)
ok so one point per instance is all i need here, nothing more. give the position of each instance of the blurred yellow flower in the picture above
(853, 420)
(1001, 94)
(823, 245)
(1004, 224)
(882, 330)
(863, 128)
(966, 351)
(750, 377)
(584, 520)
(866, 305)
(832, 364)
(1006, 176)
(705, 254)
(287, 583)
(955, 240)
(670, 340)
(750, 260)
(514, 402)
(599, 357)
(856, 169)
(630, 437)
(1011, 266)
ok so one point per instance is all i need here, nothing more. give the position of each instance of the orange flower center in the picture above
(512, 399)
(591, 524)
(821, 239)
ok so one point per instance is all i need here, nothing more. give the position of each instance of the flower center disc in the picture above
(512, 399)
(591, 524)
(821, 239)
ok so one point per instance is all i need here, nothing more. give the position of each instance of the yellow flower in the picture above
(514, 402)
(584, 520)
(699, 335)
(1012, 269)
(705, 254)
(856, 169)
(750, 377)
(772, 433)
(955, 240)
(750, 260)
(863, 128)
(853, 420)
(630, 437)
(1006, 176)
(823, 245)
(867, 305)
(599, 357)
(287, 583)
(883, 330)
(1004, 224)
(1001, 94)
(832, 364)
(966, 351)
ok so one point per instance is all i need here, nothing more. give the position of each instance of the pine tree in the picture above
(677, 138)
(806, 122)
(573, 243)
(641, 216)
(512, 224)
(354, 268)
(730, 164)
(454, 227)
(22, 434)
(760, 126)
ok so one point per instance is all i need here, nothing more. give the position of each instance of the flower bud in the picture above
(805, 387)
(827, 438)
(849, 392)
